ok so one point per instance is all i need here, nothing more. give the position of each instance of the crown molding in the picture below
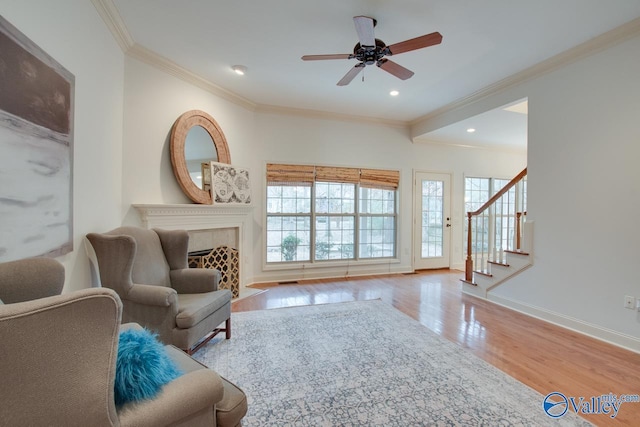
(114, 22)
(111, 17)
(317, 114)
(160, 62)
(588, 48)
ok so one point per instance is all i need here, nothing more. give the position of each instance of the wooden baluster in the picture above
(518, 230)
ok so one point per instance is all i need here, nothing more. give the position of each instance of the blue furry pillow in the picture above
(142, 367)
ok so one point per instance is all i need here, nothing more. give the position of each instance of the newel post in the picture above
(468, 269)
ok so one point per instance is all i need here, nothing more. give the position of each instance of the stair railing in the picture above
(496, 227)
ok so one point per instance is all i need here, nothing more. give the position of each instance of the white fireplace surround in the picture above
(201, 217)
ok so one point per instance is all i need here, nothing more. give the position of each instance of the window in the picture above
(497, 224)
(377, 223)
(335, 220)
(330, 214)
(288, 223)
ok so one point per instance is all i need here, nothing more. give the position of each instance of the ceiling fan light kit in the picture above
(370, 50)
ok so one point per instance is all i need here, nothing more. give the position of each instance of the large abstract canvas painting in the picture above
(36, 142)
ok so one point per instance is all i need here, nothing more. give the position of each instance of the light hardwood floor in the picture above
(546, 357)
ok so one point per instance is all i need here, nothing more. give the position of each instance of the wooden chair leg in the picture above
(228, 328)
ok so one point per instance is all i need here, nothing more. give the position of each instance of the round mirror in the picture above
(199, 150)
(196, 139)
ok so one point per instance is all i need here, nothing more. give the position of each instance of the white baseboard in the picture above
(603, 334)
(330, 273)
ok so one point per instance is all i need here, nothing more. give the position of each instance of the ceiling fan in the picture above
(371, 50)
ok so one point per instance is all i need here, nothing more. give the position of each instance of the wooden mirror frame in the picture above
(179, 132)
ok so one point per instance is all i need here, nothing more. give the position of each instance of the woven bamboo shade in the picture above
(282, 174)
(290, 174)
(378, 178)
(332, 174)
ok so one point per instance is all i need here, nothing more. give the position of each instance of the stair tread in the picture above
(517, 252)
(503, 264)
(468, 282)
(483, 273)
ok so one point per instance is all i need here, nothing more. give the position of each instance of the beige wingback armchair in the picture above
(26, 280)
(58, 361)
(149, 271)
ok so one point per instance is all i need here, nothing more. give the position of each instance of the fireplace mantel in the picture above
(158, 215)
(202, 217)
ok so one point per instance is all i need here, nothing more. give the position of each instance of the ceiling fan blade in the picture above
(364, 28)
(351, 74)
(417, 43)
(396, 69)
(320, 57)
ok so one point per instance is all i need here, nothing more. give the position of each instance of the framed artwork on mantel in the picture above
(36, 142)
(229, 184)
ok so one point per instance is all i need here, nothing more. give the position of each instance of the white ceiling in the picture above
(483, 43)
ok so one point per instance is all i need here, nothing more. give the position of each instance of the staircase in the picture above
(499, 243)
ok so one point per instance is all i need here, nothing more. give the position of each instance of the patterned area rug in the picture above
(365, 364)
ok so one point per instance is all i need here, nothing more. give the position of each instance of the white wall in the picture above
(72, 32)
(154, 99)
(583, 194)
(299, 139)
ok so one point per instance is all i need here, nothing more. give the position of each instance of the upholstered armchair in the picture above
(149, 271)
(59, 357)
(26, 280)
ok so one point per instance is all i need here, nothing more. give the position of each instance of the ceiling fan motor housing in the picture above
(370, 54)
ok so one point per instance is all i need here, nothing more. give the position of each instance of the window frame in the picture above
(357, 215)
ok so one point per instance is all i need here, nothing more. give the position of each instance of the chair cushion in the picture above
(193, 308)
(142, 368)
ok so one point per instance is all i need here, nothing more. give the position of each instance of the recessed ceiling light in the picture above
(239, 69)
(394, 93)
(471, 130)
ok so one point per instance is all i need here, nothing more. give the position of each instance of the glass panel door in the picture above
(432, 225)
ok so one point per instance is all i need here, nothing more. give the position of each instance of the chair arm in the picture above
(58, 359)
(181, 398)
(195, 280)
(152, 295)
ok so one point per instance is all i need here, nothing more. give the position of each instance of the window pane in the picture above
(377, 237)
(288, 199)
(288, 238)
(377, 223)
(336, 198)
(377, 201)
(334, 237)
